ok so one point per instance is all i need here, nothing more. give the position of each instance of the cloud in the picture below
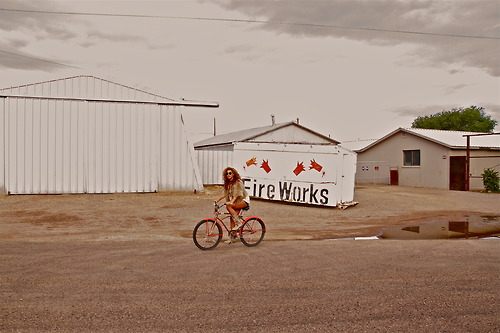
(37, 27)
(414, 112)
(411, 111)
(246, 52)
(42, 25)
(33, 27)
(114, 37)
(95, 37)
(432, 16)
(454, 88)
(17, 43)
(26, 61)
(494, 111)
(455, 71)
(240, 48)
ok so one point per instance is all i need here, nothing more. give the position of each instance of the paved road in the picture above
(279, 286)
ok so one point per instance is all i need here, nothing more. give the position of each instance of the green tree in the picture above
(491, 180)
(471, 119)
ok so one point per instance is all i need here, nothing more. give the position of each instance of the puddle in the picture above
(474, 226)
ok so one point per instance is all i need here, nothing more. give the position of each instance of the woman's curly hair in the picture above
(236, 177)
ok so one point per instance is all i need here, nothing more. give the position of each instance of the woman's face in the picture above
(229, 174)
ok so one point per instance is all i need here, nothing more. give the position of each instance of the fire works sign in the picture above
(315, 194)
(292, 176)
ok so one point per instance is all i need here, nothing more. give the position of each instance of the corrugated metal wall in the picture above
(68, 146)
(178, 165)
(212, 162)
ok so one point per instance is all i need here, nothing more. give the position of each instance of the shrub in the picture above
(491, 180)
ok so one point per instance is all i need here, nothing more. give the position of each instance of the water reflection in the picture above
(473, 226)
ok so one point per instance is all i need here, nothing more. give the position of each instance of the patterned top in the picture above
(237, 189)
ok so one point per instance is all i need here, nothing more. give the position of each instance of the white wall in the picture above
(291, 134)
(434, 164)
(301, 173)
(212, 162)
(65, 146)
(372, 172)
(434, 171)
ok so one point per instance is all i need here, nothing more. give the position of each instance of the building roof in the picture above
(252, 133)
(449, 139)
(356, 145)
(67, 85)
(92, 88)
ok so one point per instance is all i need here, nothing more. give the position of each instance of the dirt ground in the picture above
(171, 216)
(126, 263)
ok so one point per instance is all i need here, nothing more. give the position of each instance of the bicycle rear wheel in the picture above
(252, 231)
(207, 234)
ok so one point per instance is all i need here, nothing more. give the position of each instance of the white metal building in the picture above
(217, 152)
(282, 162)
(84, 134)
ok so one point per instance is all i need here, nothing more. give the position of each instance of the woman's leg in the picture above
(234, 209)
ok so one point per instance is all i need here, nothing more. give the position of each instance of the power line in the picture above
(37, 59)
(313, 25)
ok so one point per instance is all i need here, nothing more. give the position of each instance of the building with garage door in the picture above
(428, 158)
(84, 134)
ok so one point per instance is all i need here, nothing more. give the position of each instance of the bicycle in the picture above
(207, 233)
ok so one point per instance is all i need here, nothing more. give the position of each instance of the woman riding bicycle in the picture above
(235, 194)
(208, 233)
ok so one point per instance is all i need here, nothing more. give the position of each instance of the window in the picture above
(411, 157)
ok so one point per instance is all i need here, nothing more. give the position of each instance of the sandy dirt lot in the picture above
(171, 216)
(126, 262)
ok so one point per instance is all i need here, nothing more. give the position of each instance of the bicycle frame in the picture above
(220, 221)
(208, 232)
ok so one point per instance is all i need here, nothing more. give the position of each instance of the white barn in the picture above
(282, 162)
(84, 134)
(217, 152)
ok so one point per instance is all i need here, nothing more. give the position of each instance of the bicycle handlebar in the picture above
(217, 206)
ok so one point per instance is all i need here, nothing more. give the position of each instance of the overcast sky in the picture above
(349, 69)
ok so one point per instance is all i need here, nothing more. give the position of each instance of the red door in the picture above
(457, 173)
(394, 177)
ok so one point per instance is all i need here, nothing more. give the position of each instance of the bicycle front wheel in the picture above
(207, 234)
(252, 231)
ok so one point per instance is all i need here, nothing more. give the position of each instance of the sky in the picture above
(353, 70)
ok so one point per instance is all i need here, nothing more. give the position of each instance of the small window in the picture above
(411, 157)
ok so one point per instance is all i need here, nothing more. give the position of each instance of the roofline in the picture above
(427, 138)
(174, 103)
(379, 140)
(474, 148)
(291, 143)
(87, 76)
(482, 134)
(268, 130)
(225, 144)
(271, 129)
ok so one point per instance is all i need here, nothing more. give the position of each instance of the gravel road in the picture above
(115, 263)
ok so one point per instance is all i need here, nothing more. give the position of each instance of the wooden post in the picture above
(467, 165)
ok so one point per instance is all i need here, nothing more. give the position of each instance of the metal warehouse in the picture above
(282, 162)
(84, 134)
